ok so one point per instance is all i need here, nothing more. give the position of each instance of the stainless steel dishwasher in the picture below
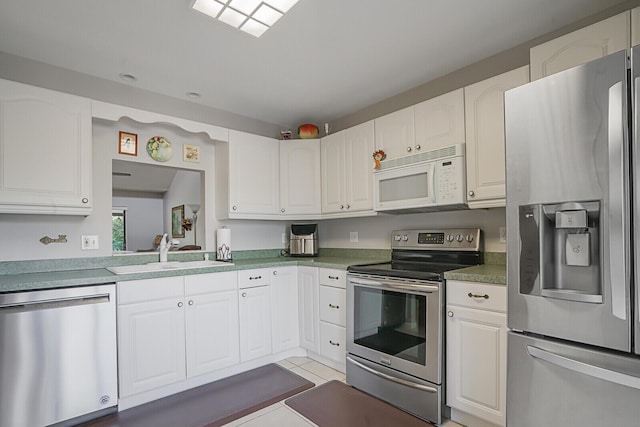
(58, 362)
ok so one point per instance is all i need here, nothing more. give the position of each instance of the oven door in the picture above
(396, 323)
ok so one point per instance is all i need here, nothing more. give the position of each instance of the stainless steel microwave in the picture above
(430, 181)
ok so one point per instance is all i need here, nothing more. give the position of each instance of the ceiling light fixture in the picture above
(129, 78)
(251, 16)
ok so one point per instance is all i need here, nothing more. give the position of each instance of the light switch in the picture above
(577, 250)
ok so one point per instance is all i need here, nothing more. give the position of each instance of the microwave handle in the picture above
(431, 172)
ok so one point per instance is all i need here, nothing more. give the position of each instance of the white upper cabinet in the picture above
(395, 133)
(300, 177)
(439, 122)
(45, 146)
(583, 45)
(254, 175)
(484, 115)
(635, 26)
(347, 170)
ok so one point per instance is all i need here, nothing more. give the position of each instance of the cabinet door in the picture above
(46, 161)
(284, 309)
(333, 342)
(395, 133)
(151, 340)
(476, 362)
(254, 174)
(332, 162)
(333, 305)
(484, 113)
(635, 26)
(440, 121)
(300, 177)
(359, 148)
(581, 46)
(212, 332)
(255, 322)
(308, 297)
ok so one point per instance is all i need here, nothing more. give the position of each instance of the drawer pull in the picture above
(255, 278)
(334, 277)
(334, 306)
(470, 295)
(337, 344)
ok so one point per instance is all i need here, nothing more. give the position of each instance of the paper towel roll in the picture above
(223, 244)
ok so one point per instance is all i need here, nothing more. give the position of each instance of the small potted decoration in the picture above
(378, 155)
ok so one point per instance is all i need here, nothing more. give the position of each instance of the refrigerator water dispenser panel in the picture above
(560, 251)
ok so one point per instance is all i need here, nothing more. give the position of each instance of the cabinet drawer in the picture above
(333, 277)
(210, 282)
(150, 290)
(477, 295)
(333, 341)
(253, 278)
(333, 305)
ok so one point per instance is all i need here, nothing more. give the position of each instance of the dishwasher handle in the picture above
(46, 304)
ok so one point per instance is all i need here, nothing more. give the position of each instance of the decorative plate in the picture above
(159, 149)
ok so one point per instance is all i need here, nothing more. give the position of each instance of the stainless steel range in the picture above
(395, 323)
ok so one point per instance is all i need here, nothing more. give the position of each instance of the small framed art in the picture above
(191, 153)
(128, 144)
(177, 216)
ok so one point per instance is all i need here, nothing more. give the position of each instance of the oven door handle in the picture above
(425, 289)
(392, 378)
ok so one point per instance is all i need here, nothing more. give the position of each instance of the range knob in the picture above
(469, 238)
(450, 238)
(459, 238)
(405, 238)
(396, 237)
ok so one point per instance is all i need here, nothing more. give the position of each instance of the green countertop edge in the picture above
(18, 276)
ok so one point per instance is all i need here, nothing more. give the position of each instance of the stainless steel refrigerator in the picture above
(572, 195)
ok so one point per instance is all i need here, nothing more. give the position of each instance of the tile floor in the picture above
(279, 414)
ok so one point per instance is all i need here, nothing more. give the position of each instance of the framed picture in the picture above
(191, 153)
(128, 144)
(177, 216)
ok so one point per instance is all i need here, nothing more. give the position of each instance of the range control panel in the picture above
(445, 239)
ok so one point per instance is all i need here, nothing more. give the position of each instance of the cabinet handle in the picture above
(333, 306)
(235, 208)
(334, 277)
(408, 149)
(275, 273)
(180, 304)
(282, 210)
(470, 295)
(244, 295)
(337, 344)
(471, 193)
(341, 207)
(348, 206)
(418, 147)
(85, 200)
(255, 278)
(190, 302)
(450, 313)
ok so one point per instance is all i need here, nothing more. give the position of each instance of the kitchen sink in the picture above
(162, 266)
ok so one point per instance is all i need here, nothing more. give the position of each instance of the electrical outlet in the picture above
(503, 234)
(89, 242)
(353, 236)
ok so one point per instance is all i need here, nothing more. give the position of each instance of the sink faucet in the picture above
(164, 248)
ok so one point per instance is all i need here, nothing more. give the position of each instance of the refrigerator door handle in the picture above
(584, 368)
(618, 200)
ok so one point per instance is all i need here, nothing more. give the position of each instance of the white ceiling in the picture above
(323, 60)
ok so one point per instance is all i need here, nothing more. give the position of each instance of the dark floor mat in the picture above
(336, 404)
(213, 404)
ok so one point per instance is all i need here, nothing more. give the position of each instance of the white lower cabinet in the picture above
(333, 316)
(173, 328)
(284, 309)
(308, 297)
(476, 348)
(255, 314)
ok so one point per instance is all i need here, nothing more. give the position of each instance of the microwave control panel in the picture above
(450, 181)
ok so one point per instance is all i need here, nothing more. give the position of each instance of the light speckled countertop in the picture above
(48, 274)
